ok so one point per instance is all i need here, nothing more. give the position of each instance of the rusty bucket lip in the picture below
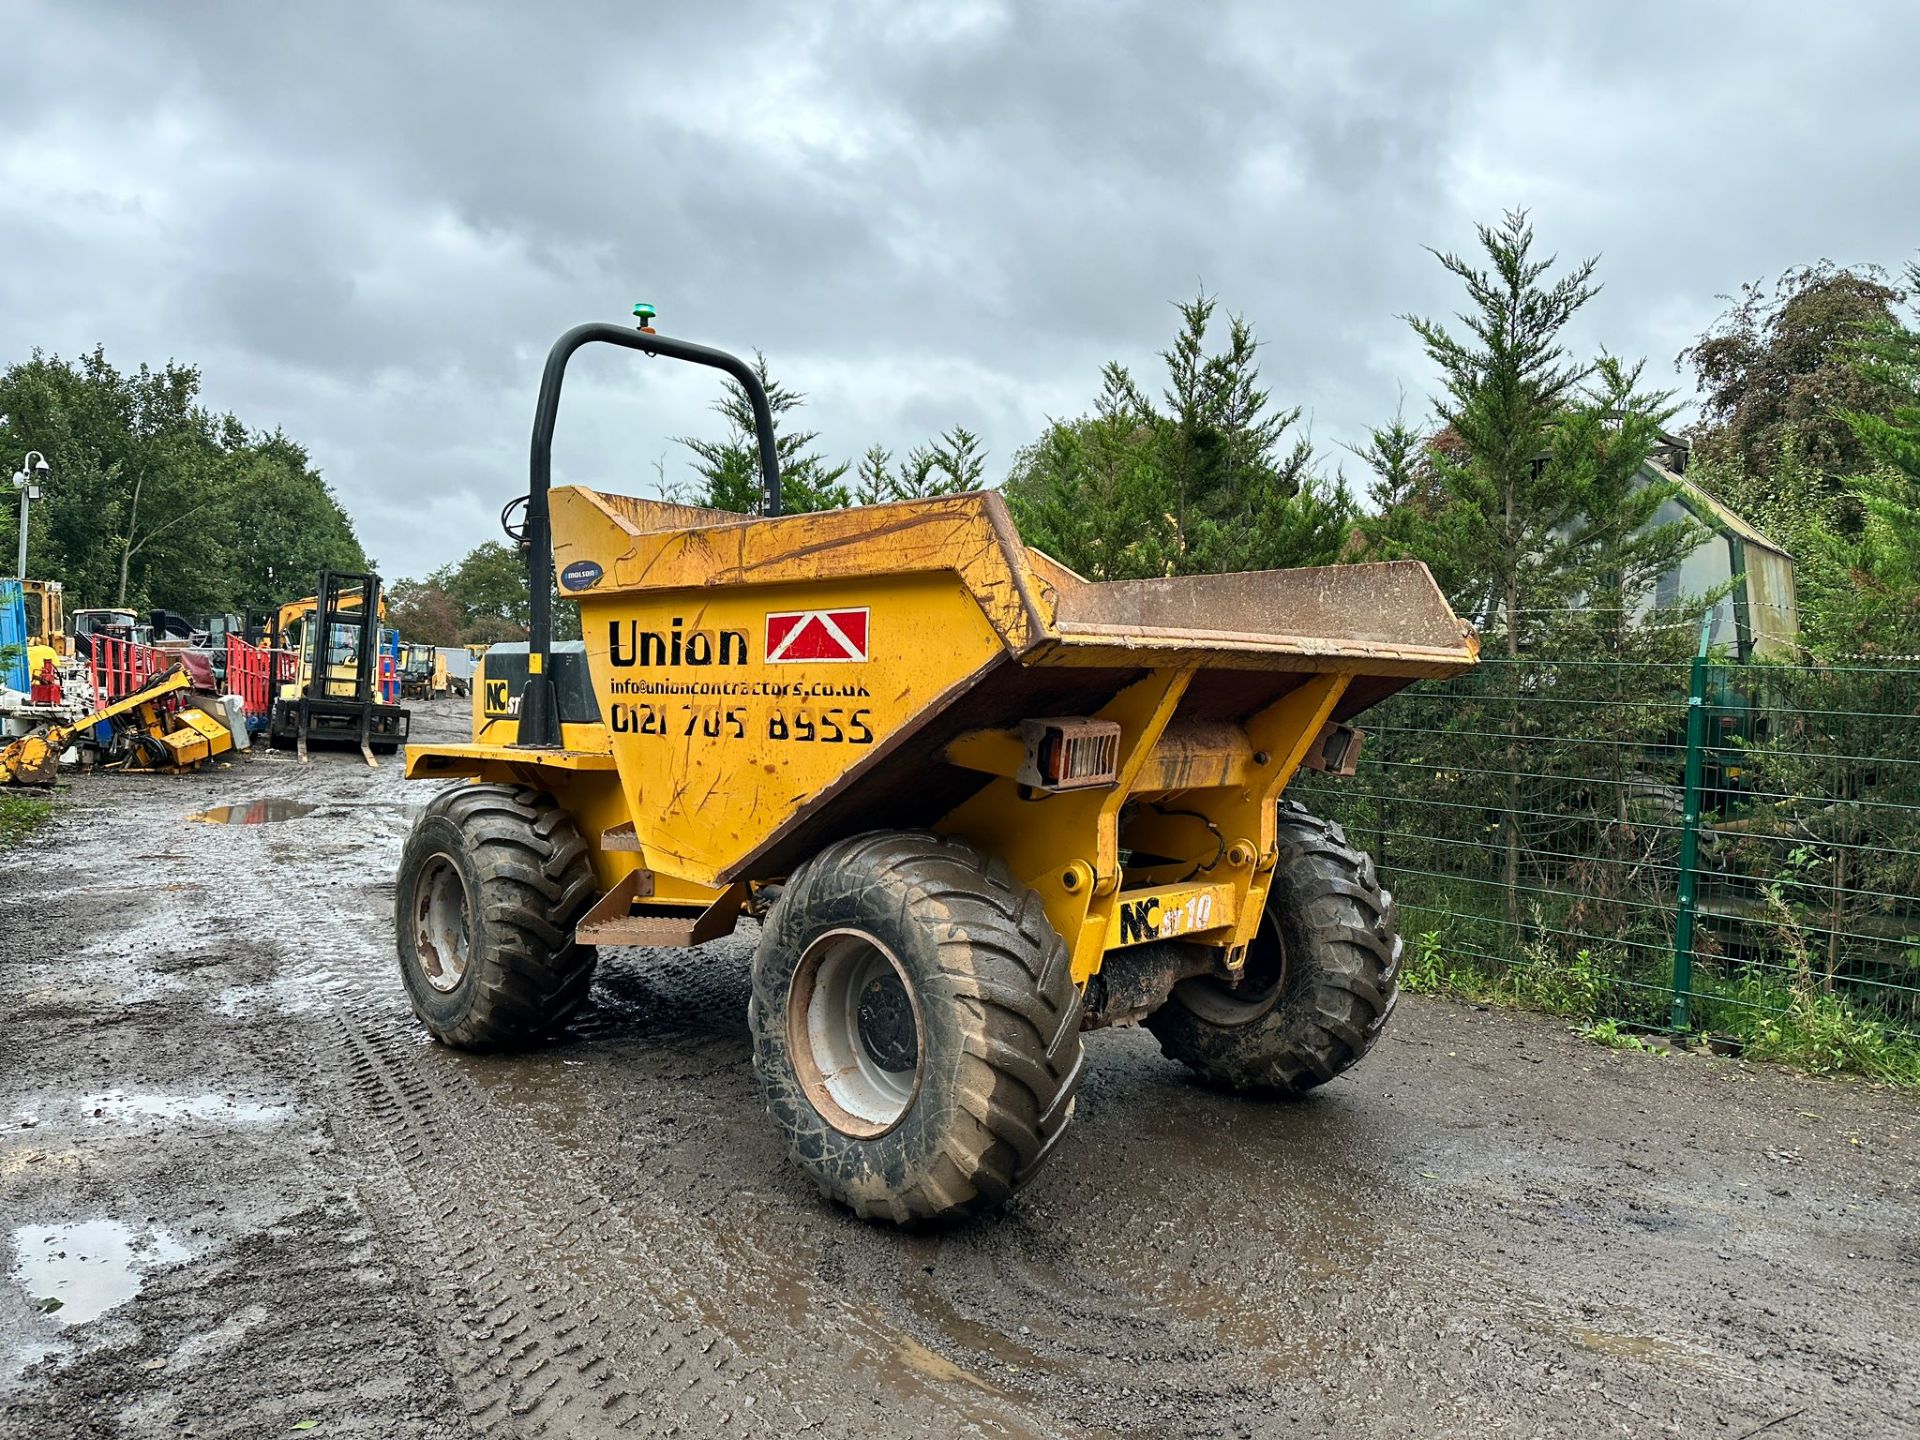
(1389, 611)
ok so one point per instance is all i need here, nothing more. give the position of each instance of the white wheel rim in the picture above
(855, 1033)
(441, 935)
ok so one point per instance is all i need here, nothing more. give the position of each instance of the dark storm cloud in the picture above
(366, 222)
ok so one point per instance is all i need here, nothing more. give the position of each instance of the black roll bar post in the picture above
(539, 701)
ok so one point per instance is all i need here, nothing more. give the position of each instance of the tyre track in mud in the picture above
(544, 1290)
(1006, 1307)
(513, 1252)
(522, 1254)
(266, 1289)
(567, 1320)
(154, 1093)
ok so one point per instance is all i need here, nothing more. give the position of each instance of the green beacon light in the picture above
(644, 313)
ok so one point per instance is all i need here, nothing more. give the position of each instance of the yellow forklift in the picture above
(423, 671)
(335, 695)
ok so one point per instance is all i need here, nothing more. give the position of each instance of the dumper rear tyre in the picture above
(1322, 974)
(492, 881)
(916, 1028)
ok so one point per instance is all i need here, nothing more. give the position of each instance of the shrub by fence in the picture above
(1695, 845)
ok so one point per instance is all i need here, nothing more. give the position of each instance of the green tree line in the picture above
(153, 499)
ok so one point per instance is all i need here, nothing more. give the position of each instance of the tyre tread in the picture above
(1018, 1011)
(1353, 933)
(536, 881)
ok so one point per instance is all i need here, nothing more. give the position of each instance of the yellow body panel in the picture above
(766, 686)
(714, 757)
(661, 551)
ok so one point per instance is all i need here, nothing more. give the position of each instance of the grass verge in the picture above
(1791, 1020)
(21, 813)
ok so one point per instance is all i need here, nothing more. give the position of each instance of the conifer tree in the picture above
(1546, 518)
(1207, 477)
(1882, 565)
(950, 465)
(1544, 508)
(1403, 497)
(727, 471)
(1087, 491)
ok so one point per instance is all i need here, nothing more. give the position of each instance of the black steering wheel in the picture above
(513, 520)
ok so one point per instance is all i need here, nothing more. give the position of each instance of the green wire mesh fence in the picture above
(1683, 844)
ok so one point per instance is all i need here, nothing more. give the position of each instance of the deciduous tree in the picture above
(156, 500)
(423, 612)
(1779, 365)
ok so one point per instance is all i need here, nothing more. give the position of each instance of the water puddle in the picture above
(78, 1272)
(207, 1108)
(255, 812)
(1635, 1347)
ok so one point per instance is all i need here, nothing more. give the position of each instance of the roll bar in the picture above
(539, 704)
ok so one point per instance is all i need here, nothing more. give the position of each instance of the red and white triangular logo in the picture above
(831, 637)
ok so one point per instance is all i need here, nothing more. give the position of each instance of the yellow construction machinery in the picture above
(982, 804)
(423, 672)
(160, 727)
(335, 694)
(47, 637)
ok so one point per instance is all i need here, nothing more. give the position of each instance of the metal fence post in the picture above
(1684, 899)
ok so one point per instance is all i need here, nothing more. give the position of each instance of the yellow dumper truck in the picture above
(981, 804)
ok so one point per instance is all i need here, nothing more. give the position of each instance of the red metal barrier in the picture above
(120, 667)
(249, 675)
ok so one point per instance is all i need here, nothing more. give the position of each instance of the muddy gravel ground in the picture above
(242, 1194)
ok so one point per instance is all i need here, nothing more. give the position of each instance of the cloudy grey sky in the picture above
(366, 222)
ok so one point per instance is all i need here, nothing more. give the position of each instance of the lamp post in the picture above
(26, 480)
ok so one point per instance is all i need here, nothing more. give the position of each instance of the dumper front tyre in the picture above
(916, 1028)
(1321, 974)
(492, 881)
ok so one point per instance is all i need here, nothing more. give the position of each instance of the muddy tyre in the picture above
(916, 1029)
(1321, 976)
(491, 883)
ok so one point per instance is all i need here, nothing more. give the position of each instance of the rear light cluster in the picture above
(1335, 750)
(1069, 754)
